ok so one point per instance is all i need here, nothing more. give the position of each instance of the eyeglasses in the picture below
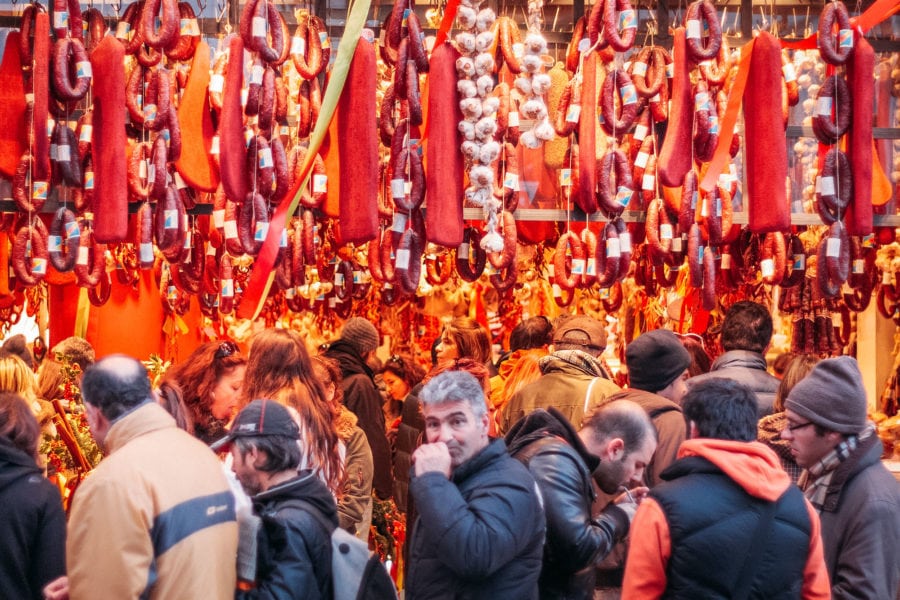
(792, 427)
(225, 350)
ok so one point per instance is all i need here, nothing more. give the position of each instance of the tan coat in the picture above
(155, 519)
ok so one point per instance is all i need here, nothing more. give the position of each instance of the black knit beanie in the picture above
(655, 359)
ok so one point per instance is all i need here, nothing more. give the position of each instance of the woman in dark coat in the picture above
(33, 527)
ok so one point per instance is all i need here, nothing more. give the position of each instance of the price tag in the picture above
(170, 219)
(557, 291)
(265, 158)
(623, 195)
(670, 72)
(402, 260)
(214, 145)
(262, 230)
(565, 177)
(726, 262)
(858, 267)
(260, 26)
(513, 118)
(338, 279)
(51, 123)
(320, 184)
(39, 190)
(640, 132)
(640, 69)
(188, 239)
(713, 124)
(693, 30)
(298, 46)
(627, 19)
(833, 247)
(256, 74)
(629, 95)
(511, 181)
(825, 186)
(578, 266)
(462, 252)
(584, 45)
(219, 218)
(54, 243)
(85, 134)
(123, 30)
(231, 231)
(790, 74)
(625, 242)
(767, 267)
(640, 161)
(227, 288)
(666, 232)
(151, 174)
(217, 83)
(244, 95)
(591, 267)
(64, 153)
(398, 225)
(398, 189)
(53, 152)
(325, 40)
(701, 101)
(146, 252)
(84, 256)
(823, 105)
(845, 38)
(60, 20)
(613, 249)
(83, 69)
(38, 266)
(573, 113)
(648, 182)
(150, 112)
(677, 244)
(799, 262)
(72, 230)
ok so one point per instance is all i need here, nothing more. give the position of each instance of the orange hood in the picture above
(752, 465)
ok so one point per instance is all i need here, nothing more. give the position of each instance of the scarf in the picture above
(579, 359)
(816, 480)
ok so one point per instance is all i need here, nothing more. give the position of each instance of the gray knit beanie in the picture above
(360, 334)
(832, 396)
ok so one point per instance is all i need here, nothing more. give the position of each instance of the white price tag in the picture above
(613, 249)
(214, 146)
(227, 288)
(513, 118)
(64, 153)
(170, 216)
(83, 256)
(858, 267)
(265, 158)
(666, 232)
(60, 19)
(256, 74)
(591, 269)
(320, 184)
(298, 45)
(219, 218)
(262, 230)
(833, 248)
(826, 186)
(398, 188)
(640, 132)
(557, 291)
(629, 95)
(146, 252)
(402, 260)
(640, 161)
(85, 134)
(790, 74)
(677, 244)
(573, 113)
(640, 69)
(511, 181)
(398, 225)
(767, 267)
(648, 182)
(799, 262)
(217, 83)
(260, 26)
(693, 30)
(54, 243)
(625, 242)
(39, 266)
(578, 266)
(123, 29)
(462, 252)
(231, 231)
(823, 105)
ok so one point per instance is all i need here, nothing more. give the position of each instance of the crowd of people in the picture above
(538, 476)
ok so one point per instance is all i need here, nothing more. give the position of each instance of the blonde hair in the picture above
(18, 378)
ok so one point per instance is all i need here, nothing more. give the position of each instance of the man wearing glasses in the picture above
(857, 498)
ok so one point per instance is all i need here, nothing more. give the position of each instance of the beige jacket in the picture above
(155, 519)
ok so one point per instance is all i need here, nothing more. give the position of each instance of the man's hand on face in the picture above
(432, 458)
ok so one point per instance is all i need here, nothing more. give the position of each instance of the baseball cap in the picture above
(583, 331)
(259, 418)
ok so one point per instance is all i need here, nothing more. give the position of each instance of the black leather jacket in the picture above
(549, 446)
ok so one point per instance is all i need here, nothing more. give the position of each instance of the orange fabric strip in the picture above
(878, 12)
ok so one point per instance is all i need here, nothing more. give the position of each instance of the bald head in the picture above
(115, 385)
(621, 419)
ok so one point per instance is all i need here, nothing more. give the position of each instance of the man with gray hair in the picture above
(156, 517)
(480, 529)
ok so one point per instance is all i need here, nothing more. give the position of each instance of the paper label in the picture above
(845, 37)
(227, 288)
(833, 248)
(868, 241)
(338, 279)
(726, 262)
(591, 268)
(298, 46)
(265, 158)
(623, 195)
(790, 74)
(83, 69)
(511, 181)
(217, 83)
(171, 218)
(565, 177)
(52, 152)
(230, 227)
(578, 266)
(613, 249)
(666, 232)
(54, 243)
(462, 253)
(179, 182)
(320, 184)
(625, 242)
(629, 94)
(72, 230)
(39, 190)
(64, 153)
(283, 240)
(146, 252)
(260, 26)
(557, 291)
(823, 105)
(150, 112)
(61, 20)
(214, 145)
(713, 124)
(219, 218)
(627, 19)
(123, 29)
(358, 277)
(325, 40)
(640, 132)
(245, 93)
(767, 267)
(640, 69)
(256, 74)
(188, 239)
(402, 260)
(573, 113)
(584, 45)
(648, 183)
(398, 188)
(38, 266)
(701, 101)
(799, 262)
(640, 161)
(51, 123)
(83, 256)
(677, 244)
(398, 225)
(262, 230)
(513, 119)
(85, 134)
(693, 30)
(826, 186)
(151, 173)
(670, 70)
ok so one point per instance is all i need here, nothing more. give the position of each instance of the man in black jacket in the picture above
(613, 447)
(294, 545)
(359, 338)
(480, 529)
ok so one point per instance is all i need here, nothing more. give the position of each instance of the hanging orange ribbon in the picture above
(878, 12)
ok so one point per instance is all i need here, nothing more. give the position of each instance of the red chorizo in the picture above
(69, 54)
(253, 223)
(614, 185)
(699, 14)
(834, 12)
(834, 97)
(470, 249)
(167, 35)
(618, 82)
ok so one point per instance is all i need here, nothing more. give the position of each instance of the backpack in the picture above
(356, 572)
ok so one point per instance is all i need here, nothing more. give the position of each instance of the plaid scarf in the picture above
(579, 359)
(816, 480)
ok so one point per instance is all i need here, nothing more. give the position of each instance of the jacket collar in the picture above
(495, 450)
(144, 419)
(540, 424)
(573, 361)
(740, 358)
(868, 452)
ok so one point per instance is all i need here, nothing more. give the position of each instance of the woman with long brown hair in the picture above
(464, 337)
(279, 368)
(210, 379)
